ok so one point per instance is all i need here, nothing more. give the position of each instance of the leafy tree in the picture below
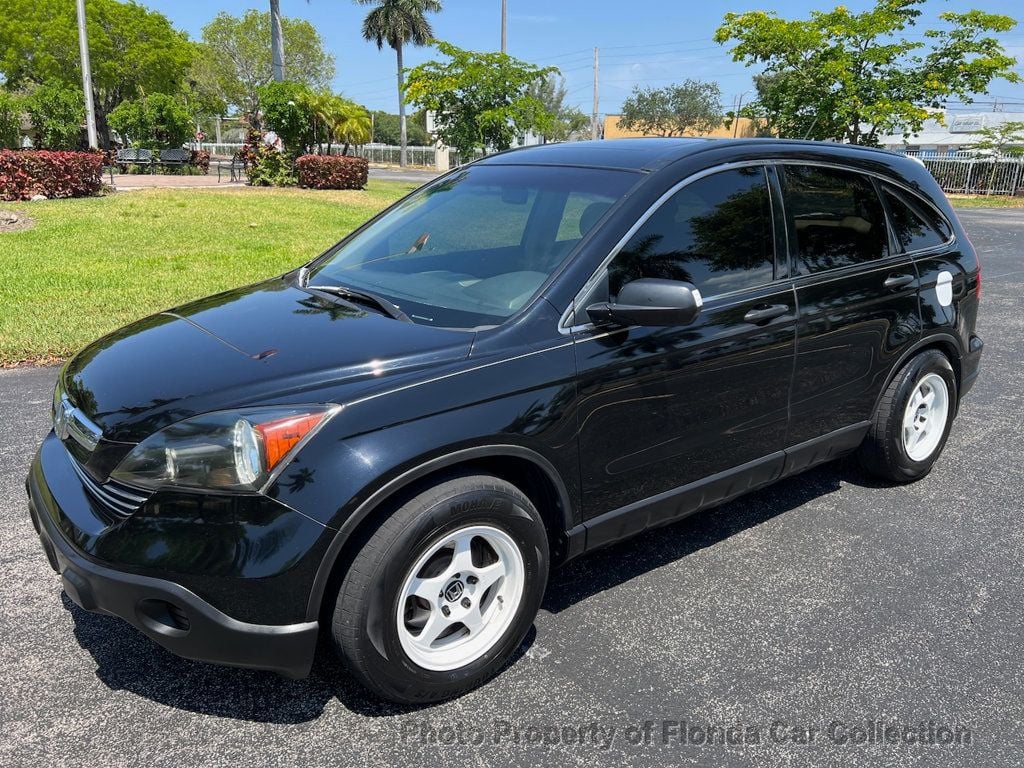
(551, 92)
(236, 59)
(397, 23)
(57, 111)
(852, 76)
(288, 110)
(387, 130)
(157, 121)
(1004, 139)
(10, 120)
(480, 100)
(132, 50)
(690, 107)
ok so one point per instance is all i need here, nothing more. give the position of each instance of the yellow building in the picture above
(744, 129)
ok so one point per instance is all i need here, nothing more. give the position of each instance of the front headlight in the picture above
(227, 451)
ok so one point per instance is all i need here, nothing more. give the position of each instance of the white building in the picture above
(954, 133)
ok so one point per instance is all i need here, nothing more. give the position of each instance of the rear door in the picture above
(664, 407)
(858, 298)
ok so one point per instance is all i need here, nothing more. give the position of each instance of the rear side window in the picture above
(837, 217)
(715, 233)
(916, 224)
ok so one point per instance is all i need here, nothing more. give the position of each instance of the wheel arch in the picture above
(945, 343)
(524, 468)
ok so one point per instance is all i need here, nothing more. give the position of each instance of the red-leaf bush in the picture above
(201, 160)
(332, 172)
(25, 173)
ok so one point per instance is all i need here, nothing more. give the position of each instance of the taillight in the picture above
(977, 289)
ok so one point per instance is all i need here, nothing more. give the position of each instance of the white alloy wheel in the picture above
(924, 420)
(460, 597)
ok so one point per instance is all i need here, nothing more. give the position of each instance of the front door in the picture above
(663, 407)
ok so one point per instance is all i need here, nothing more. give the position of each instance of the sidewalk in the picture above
(129, 181)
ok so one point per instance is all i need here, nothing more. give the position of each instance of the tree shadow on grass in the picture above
(127, 660)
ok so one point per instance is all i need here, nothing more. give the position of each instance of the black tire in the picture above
(883, 452)
(364, 625)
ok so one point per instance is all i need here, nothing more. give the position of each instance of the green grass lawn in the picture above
(985, 201)
(89, 266)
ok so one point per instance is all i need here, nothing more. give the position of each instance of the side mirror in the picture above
(651, 302)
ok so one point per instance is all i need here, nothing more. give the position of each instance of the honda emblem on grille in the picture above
(68, 421)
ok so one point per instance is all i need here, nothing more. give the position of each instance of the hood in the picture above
(265, 343)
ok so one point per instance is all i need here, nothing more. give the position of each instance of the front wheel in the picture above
(444, 591)
(913, 420)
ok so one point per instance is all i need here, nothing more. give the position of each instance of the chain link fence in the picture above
(967, 173)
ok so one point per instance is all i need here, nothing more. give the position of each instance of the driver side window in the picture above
(715, 233)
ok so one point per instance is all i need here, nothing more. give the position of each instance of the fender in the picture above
(927, 341)
(403, 480)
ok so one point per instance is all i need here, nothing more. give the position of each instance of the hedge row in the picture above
(25, 173)
(332, 171)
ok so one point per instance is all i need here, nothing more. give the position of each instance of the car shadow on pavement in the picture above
(127, 660)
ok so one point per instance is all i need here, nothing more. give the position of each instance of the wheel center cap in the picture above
(454, 591)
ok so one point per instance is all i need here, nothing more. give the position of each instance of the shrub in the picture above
(200, 159)
(271, 169)
(54, 174)
(332, 172)
(57, 112)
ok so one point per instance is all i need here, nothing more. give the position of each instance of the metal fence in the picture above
(376, 154)
(968, 173)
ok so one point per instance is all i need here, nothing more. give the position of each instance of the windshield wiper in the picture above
(363, 297)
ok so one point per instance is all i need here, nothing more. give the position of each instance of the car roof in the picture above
(650, 154)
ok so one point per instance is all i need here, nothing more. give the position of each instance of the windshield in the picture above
(472, 250)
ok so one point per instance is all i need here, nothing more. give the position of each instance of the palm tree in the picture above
(350, 123)
(397, 22)
(276, 41)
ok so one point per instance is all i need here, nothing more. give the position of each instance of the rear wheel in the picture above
(444, 591)
(913, 420)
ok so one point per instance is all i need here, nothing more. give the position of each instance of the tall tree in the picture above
(551, 92)
(133, 50)
(480, 100)
(276, 41)
(691, 107)
(398, 22)
(236, 58)
(852, 76)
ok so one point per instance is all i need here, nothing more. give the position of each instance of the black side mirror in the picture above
(650, 301)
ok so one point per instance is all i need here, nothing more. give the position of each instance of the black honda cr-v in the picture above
(533, 356)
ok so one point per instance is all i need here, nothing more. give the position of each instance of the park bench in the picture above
(139, 157)
(180, 157)
(236, 167)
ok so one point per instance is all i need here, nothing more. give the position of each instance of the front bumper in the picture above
(166, 612)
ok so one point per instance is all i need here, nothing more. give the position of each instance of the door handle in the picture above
(898, 281)
(765, 313)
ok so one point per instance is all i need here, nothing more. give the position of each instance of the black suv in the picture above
(533, 356)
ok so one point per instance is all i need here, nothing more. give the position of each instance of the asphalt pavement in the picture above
(819, 622)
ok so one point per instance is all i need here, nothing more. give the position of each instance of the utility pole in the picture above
(504, 26)
(83, 50)
(593, 120)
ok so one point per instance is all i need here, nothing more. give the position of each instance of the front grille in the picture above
(119, 500)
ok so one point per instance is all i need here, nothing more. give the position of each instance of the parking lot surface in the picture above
(788, 628)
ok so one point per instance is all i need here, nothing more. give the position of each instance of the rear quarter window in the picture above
(915, 223)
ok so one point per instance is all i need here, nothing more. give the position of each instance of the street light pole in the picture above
(83, 49)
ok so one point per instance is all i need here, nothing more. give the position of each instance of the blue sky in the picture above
(642, 42)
